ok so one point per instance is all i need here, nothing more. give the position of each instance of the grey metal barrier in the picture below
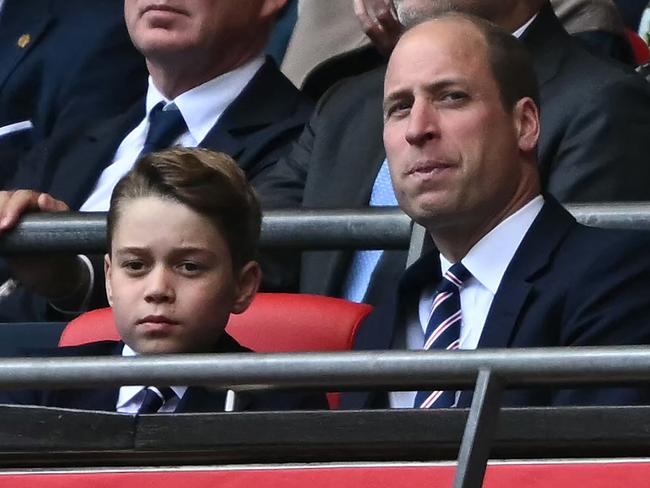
(371, 228)
(489, 370)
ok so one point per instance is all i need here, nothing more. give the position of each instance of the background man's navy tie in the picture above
(164, 128)
(443, 330)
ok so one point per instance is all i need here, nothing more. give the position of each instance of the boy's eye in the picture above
(190, 267)
(133, 266)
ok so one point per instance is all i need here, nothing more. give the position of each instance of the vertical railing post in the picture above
(479, 430)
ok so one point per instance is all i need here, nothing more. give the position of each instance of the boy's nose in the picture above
(159, 286)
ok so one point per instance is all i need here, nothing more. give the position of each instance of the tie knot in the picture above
(154, 398)
(164, 127)
(457, 274)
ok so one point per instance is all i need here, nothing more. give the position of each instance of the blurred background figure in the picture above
(284, 25)
(598, 24)
(61, 64)
(631, 10)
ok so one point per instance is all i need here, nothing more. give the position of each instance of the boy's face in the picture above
(170, 278)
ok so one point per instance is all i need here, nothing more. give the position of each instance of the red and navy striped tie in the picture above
(443, 330)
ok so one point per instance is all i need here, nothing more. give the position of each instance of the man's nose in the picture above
(160, 287)
(422, 123)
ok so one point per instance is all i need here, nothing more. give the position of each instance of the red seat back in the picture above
(275, 322)
(639, 47)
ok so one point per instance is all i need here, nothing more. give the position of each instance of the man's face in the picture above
(452, 147)
(170, 279)
(410, 12)
(169, 27)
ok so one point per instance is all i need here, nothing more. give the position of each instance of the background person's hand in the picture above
(52, 276)
(15, 204)
(379, 21)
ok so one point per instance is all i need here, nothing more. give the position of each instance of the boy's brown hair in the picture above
(208, 182)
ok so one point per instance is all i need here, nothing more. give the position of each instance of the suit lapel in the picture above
(534, 254)
(77, 173)
(102, 399)
(379, 329)
(22, 25)
(202, 399)
(261, 103)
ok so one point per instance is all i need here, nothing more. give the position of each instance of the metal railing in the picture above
(489, 370)
(371, 228)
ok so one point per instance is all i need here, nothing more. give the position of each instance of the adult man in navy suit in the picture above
(461, 127)
(64, 62)
(205, 61)
(593, 145)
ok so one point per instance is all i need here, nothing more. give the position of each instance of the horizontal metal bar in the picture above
(370, 228)
(334, 371)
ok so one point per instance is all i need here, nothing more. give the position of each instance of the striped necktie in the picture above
(443, 330)
(154, 398)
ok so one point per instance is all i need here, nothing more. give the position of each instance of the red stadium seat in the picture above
(275, 322)
(639, 47)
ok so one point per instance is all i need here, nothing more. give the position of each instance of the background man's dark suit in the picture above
(567, 285)
(256, 130)
(584, 155)
(71, 70)
(196, 399)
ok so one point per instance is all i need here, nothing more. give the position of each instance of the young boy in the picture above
(182, 233)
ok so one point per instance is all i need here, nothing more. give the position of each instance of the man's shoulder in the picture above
(271, 86)
(363, 88)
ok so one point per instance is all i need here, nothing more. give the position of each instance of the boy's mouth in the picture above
(157, 319)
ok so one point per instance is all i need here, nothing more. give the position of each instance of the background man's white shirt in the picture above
(201, 108)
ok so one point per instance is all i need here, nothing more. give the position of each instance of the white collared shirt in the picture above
(487, 261)
(201, 108)
(130, 397)
(519, 32)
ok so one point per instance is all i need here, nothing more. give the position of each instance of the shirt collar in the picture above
(202, 106)
(127, 392)
(519, 32)
(489, 258)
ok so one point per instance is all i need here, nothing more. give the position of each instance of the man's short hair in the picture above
(509, 60)
(208, 182)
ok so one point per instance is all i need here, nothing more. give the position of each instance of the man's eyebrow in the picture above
(401, 94)
(404, 93)
(129, 250)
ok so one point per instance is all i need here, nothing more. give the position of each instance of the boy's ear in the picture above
(107, 275)
(248, 282)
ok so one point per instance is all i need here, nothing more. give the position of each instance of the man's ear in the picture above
(248, 282)
(526, 116)
(107, 277)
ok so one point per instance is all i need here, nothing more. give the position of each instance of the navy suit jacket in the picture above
(567, 285)
(595, 121)
(256, 129)
(62, 64)
(196, 399)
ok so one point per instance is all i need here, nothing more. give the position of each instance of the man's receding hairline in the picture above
(448, 17)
